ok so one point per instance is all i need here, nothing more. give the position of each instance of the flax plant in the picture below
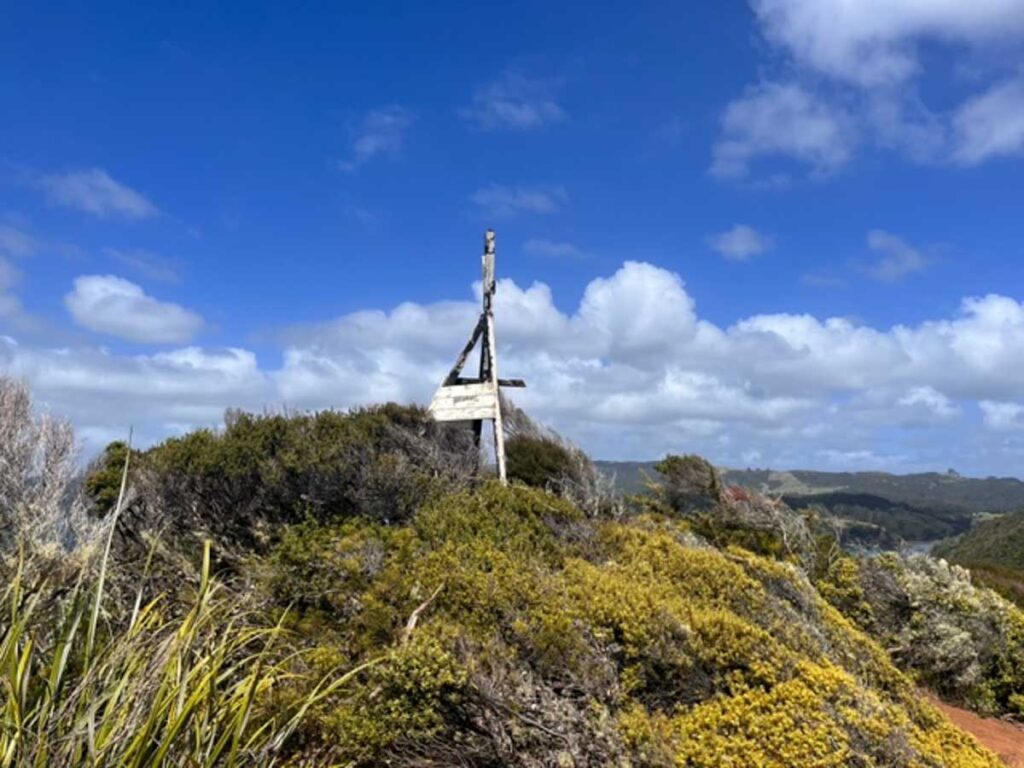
(162, 691)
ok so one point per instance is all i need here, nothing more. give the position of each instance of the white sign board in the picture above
(465, 402)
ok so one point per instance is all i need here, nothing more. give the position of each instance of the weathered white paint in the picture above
(465, 402)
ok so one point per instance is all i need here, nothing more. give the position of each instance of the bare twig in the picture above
(414, 617)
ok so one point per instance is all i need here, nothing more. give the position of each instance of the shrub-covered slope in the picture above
(369, 601)
(520, 633)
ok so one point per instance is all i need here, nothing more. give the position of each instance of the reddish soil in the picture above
(1004, 738)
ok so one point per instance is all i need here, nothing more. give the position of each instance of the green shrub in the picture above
(241, 484)
(963, 640)
(409, 698)
(103, 479)
(538, 461)
(688, 483)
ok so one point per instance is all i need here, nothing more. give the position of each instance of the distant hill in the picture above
(996, 541)
(900, 520)
(994, 551)
(943, 489)
(885, 507)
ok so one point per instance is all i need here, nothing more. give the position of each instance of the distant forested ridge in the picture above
(874, 507)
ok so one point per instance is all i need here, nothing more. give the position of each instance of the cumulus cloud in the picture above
(118, 307)
(502, 201)
(515, 102)
(782, 120)
(867, 57)
(380, 133)
(160, 394)
(95, 192)
(741, 243)
(930, 402)
(877, 42)
(631, 371)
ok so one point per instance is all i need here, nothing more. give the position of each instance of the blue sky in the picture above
(779, 233)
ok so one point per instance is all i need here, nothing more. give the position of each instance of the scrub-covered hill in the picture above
(367, 600)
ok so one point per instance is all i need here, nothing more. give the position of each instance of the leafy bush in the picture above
(103, 480)
(541, 458)
(689, 483)
(727, 516)
(241, 484)
(964, 641)
(538, 462)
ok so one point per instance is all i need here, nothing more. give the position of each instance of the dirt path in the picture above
(1003, 738)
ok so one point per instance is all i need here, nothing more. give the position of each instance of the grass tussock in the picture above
(163, 690)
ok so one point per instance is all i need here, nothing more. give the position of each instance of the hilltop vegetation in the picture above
(367, 599)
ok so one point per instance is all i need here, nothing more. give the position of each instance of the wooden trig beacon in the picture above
(476, 399)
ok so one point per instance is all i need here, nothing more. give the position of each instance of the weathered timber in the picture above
(476, 400)
(465, 402)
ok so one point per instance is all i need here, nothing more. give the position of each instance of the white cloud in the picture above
(899, 121)
(159, 394)
(741, 243)
(501, 201)
(782, 120)
(632, 370)
(95, 192)
(514, 102)
(855, 72)
(991, 124)
(381, 133)
(876, 42)
(553, 249)
(118, 307)
(898, 260)
(1002, 416)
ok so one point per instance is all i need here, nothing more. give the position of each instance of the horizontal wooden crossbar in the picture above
(501, 382)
